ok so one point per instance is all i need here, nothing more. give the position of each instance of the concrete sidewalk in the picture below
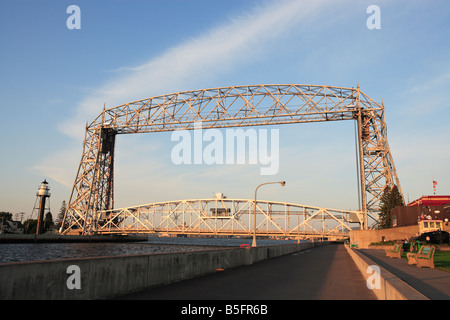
(321, 273)
(433, 284)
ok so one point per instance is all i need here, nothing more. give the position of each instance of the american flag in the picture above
(434, 186)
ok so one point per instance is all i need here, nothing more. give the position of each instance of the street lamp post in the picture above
(283, 183)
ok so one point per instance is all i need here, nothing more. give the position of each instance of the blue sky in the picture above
(53, 80)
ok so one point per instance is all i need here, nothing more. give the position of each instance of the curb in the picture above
(390, 287)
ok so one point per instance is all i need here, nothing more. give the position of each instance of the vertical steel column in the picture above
(361, 161)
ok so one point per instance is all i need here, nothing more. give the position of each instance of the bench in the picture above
(354, 245)
(412, 255)
(416, 248)
(426, 258)
(423, 258)
(396, 252)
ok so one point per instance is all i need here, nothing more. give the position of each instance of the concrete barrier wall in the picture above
(390, 287)
(365, 237)
(106, 277)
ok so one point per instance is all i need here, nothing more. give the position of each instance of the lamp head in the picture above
(283, 183)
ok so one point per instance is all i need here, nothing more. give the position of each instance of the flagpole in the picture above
(434, 185)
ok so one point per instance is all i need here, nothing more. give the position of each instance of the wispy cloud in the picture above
(440, 80)
(198, 60)
(237, 41)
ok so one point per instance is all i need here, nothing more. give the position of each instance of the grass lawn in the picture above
(441, 260)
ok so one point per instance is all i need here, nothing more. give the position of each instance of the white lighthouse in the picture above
(42, 195)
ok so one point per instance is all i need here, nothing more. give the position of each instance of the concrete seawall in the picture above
(106, 277)
(390, 286)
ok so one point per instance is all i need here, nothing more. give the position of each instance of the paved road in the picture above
(322, 273)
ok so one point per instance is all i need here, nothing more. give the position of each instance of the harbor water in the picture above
(19, 252)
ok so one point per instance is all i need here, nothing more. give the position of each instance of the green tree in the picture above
(5, 215)
(390, 199)
(48, 221)
(60, 217)
(30, 226)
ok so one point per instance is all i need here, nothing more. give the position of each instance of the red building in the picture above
(434, 207)
(434, 201)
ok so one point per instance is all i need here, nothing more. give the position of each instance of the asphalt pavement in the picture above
(322, 273)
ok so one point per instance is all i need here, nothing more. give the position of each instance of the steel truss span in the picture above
(228, 217)
(237, 106)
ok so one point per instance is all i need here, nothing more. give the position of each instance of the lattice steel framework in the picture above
(236, 106)
(228, 217)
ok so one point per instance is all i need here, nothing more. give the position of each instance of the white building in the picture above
(11, 227)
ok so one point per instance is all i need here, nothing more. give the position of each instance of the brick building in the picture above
(426, 207)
